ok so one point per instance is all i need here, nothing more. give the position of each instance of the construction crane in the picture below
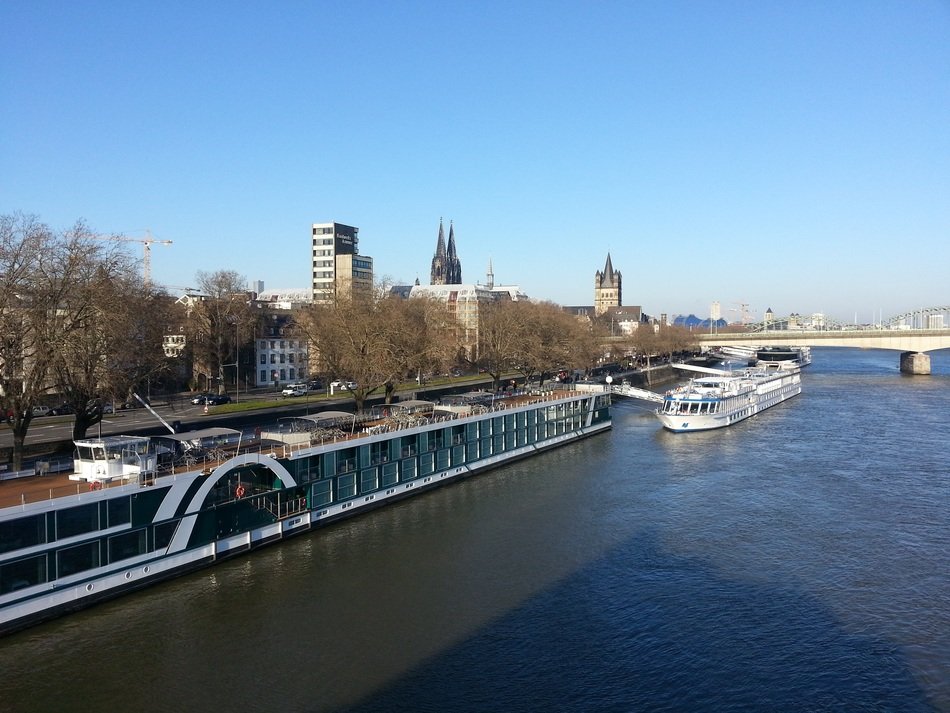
(744, 312)
(147, 243)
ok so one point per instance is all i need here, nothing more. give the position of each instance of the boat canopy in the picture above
(201, 434)
(413, 405)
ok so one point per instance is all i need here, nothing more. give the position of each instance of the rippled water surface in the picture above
(797, 561)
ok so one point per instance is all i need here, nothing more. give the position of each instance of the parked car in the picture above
(41, 410)
(294, 390)
(200, 398)
(62, 410)
(217, 399)
(340, 385)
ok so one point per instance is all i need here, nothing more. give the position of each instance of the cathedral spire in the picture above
(451, 250)
(437, 276)
(453, 266)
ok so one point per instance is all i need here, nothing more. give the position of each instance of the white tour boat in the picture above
(721, 398)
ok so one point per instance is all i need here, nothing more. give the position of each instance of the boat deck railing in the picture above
(38, 488)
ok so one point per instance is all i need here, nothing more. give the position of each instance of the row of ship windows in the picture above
(692, 407)
(66, 561)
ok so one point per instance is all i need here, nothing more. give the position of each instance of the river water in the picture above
(798, 561)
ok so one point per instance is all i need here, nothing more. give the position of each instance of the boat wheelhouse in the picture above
(140, 509)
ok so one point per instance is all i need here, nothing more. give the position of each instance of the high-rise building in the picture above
(608, 290)
(446, 266)
(338, 268)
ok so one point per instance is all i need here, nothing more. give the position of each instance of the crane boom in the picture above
(147, 243)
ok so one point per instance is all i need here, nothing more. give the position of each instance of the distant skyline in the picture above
(793, 156)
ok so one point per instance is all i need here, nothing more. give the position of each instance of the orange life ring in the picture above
(239, 491)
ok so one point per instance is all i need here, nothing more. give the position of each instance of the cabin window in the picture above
(23, 573)
(426, 463)
(369, 480)
(71, 560)
(346, 486)
(164, 533)
(379, 452)
(346, 460)
(407, 469)
(410, 445)
(77, 520)
(442, 459)
(390, 474)
(322, 493)
(22, 532)
(471, 432)
(119, 511)
(128, 544)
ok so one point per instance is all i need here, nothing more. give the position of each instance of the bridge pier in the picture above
(915, 363)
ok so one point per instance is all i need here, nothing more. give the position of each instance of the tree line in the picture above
(78, 321)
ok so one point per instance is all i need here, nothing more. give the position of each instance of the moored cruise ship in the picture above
(139, 509)
(722, 398)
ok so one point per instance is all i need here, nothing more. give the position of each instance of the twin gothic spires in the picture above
(446, 267)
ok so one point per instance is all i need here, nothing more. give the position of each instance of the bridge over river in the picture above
(911, 343)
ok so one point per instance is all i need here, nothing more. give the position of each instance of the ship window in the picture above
(22, 573)
(442, 459)
(390, 476)
(322, 493)
(22, 532)
(119, 511)
(346, 460)
(77, 520)
(77, 559)
(410, 445)
(408, 469)
(164, 533)
(426, 463)
(128, 544)
(346, 486)
(368, 480)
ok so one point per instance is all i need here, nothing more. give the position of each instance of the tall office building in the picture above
(338, 268)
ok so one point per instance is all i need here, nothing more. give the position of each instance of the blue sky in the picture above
(792, 155)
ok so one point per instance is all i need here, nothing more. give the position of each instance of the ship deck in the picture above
(15, 492)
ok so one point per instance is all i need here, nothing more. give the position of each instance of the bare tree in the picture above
(498, 326)
(220, 314)
(376, 341)
(39, 274)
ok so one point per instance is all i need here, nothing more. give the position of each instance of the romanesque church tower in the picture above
(446, 266)
(607, 288)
